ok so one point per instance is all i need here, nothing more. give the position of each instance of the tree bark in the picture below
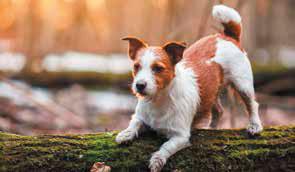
(211, 150)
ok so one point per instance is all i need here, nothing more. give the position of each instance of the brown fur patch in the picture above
(233, 30)
(135, 44)
(136, 67)
(164, 77)
(209, 76)
(237, 43)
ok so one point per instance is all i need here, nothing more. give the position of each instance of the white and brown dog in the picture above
(174, 86)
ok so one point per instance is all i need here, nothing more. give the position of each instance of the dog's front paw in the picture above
(157, 162)
(254, 128)
(125, 136)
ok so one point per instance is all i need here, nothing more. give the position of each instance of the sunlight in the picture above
(59, 15)
(7, 16)
(161, 4)
(95, 4)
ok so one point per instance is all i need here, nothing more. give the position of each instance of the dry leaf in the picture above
(100, 167)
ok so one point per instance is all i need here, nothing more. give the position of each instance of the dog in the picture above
(178, 87)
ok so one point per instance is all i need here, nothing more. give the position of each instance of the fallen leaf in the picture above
(100, 167)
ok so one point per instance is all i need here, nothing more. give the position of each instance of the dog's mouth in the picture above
(141, 93)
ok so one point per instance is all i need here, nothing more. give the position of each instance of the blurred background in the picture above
(63, 68)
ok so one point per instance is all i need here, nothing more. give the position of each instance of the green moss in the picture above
(270, 68)
(211, 150)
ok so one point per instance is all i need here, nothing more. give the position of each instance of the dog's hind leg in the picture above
(248, 97)
(203, 119)
(237, 71)
(217, 111)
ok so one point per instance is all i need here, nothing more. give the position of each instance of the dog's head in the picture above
(153, 66)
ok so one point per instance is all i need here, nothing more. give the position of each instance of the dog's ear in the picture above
(175, 50)
(134, 45)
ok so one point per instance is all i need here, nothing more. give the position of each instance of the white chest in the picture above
(158, 118)
(175, 110)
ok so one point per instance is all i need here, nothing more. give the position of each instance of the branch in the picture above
(50, 107)
(211, 150)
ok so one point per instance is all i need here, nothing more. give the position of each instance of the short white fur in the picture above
(225, 14)
(171, 113)
(145, 72)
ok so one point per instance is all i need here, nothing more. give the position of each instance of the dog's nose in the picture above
(140, 86)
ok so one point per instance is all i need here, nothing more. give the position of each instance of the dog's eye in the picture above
(136, 67)
(157, 69)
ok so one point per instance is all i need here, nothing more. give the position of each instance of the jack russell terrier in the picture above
(174, 87)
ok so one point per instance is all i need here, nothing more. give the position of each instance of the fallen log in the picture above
(211, 150)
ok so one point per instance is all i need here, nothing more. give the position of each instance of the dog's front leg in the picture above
(169, 148)
(132, 131)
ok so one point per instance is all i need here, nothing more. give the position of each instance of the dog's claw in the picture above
(157, 162)
(254, 128)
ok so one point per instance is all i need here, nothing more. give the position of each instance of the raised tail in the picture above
(230, 19)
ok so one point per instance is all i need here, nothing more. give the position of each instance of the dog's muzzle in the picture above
(140, 86)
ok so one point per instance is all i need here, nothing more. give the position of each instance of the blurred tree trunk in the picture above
(211, 150)
(31, 38)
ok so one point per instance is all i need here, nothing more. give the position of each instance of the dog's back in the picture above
(210, 77)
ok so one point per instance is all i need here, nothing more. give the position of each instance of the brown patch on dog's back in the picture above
(209, 76)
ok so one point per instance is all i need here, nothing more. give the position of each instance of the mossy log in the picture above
(69, 77)
(211, 150)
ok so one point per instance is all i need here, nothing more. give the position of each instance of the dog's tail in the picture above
(230, 19)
